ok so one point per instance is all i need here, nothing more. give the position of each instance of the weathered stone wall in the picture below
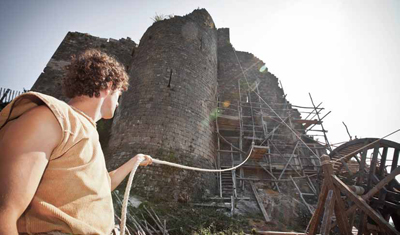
(49, 81)
(229, 71)
(166, 111)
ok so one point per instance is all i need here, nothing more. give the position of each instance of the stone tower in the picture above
(166, 111)
(186, 77)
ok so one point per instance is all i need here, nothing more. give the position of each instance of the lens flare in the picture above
(226, 104)
(249, 86)
(213, 115)
(264, 69)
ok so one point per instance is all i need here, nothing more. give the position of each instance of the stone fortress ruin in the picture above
(194, 100)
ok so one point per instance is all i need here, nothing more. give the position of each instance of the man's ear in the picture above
(105, 92)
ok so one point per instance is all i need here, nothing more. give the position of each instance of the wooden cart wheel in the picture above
(364, 163)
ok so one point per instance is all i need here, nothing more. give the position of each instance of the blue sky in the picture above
(344, 52)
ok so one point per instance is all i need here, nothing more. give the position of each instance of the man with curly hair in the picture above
(53, 176)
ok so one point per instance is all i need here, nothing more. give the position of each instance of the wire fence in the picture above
(7, 95)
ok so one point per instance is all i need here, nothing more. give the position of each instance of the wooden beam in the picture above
(382, 183)
(362, 165)
(387, 203)
(394, 165)
(395, 159)
(306, 123)
(326, 220)
(259, 152)
(375, 189)
(362, 226)
(260, 203)
(372, 167)
(382, 164)
(339, 205)
(363, 205)
(228, 122)
(313, 224)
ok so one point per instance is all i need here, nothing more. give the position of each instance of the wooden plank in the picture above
(306, 123)
(362, 227)
(394, 165)
(339, 205)
(377, 187)
(363, 205)
(382, 164)
(362, 165)
(259, 152)
(372, 167)
(228, 122)
(260, 203)
(303, 121)
(387, 204)
(395, 159)
(371, 173)
(326, 220)
(313, 224)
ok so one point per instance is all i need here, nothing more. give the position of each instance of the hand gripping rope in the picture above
(141, 158)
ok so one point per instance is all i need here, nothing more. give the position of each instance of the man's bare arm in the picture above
(119, 174)
(25, 148)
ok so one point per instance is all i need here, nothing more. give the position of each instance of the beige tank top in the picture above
(74, 195)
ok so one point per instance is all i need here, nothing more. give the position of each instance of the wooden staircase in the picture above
(227, 183)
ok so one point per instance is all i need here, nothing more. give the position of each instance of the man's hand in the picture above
(147, 159)
(119, 174)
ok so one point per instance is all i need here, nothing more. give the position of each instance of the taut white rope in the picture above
(157, 161)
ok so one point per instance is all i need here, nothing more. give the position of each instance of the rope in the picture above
(126, 194)
(157, 161)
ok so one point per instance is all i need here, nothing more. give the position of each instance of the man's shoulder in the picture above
(45, 98)
(41, 112)
(36, 123)
(59, 107)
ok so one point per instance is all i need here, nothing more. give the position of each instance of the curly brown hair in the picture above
(90, 72)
